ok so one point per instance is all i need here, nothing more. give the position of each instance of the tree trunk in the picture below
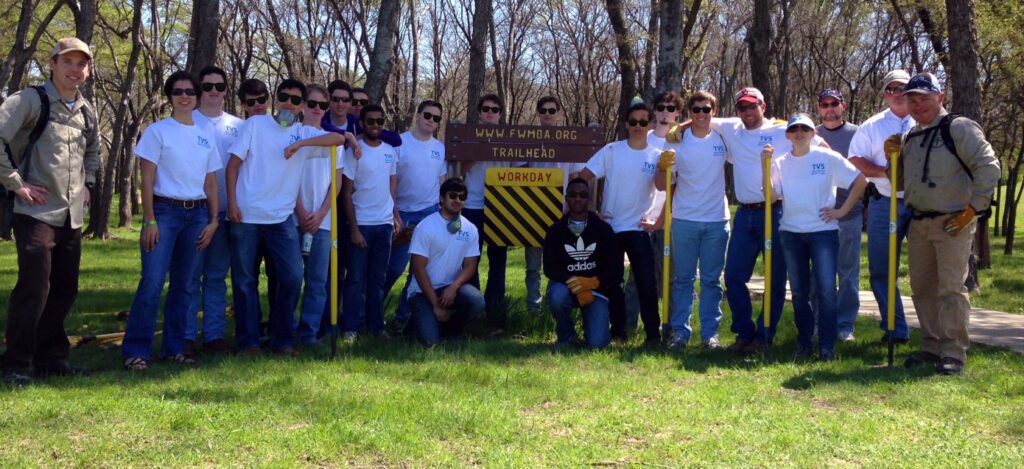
(483, 16)
(758, 39)
(18, 49)
(382, 56)
(202, 35)
(627, 62)
(84, 12)
(13, 69)
(669, 74)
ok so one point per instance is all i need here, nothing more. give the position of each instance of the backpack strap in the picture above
(947, 140)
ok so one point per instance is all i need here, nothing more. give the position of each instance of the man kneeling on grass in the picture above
(445, 253)
(584, 268)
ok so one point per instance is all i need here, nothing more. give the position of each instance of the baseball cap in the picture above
(900, 76)
(799, 119)
(69, 44)
(923, 83)
(749, 95)
(831, 93)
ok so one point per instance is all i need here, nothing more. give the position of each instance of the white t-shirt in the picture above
(808, 184)
(268, 184)
(225, 128)
(656, 141)
(316, 177)
(745, 153)
(183, 155)
(371, 183)
(444, 251)
(421, 166)
(659, 199)
(476, 177)
(629, 183)
(699, 175)
(869, 143)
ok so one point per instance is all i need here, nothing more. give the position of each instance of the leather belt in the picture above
(185, 204)
(759, 205)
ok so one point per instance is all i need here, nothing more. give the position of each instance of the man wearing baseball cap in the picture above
(867, 153)
(55, 171)
(950, 172)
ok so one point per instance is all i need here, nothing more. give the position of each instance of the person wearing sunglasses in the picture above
(178, 160)
(629, 168)
(369, 190)
(254, 97)
(867, 153)
(341, 120)
(583, 264)
(838, 133)
(211, 293)
(490, 107)
(445, 252)
(700, 224)
(262, 194)
(806, 179)
(359, 99)
(421, 171)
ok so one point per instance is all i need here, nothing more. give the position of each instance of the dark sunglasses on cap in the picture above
(432, 116)
(284, 97)
(641, 122)
(490, 110)
(360, 102)
(340, 99)
(372, 121)
(252, 101)
(210, 86)
(894, 89)
(665, 108)
(548, 110)
(313, 104)
(457, 195)
(183, 91)
(577, 194)
(745, 107)
(802, 128)
(698, 109)
(828, 104)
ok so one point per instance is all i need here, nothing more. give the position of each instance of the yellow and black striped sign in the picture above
(520, 204)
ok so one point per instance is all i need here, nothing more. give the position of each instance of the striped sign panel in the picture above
(520, 204)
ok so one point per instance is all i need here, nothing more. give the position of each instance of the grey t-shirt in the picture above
(839, 140)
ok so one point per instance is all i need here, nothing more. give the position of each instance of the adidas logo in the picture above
(579, 252)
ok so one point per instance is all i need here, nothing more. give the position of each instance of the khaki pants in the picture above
(938, 268)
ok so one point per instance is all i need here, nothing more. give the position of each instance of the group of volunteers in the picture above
(225, 194)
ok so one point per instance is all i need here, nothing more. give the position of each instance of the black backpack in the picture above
(941, 129)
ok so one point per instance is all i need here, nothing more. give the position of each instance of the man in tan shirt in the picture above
(950, 172)
(51, 187)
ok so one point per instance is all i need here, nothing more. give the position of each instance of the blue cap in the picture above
(831, 93)
(800, 119)
(923, 83)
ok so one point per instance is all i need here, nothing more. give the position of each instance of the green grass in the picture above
(502, 403)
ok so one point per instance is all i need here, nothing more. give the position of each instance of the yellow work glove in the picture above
(576, 284)
(957, 222)
(666, 160)
(585, 297)
(674, 134)
(893, 144)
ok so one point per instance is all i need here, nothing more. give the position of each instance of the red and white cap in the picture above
(749, 95)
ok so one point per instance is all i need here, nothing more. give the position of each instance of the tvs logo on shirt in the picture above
(462, 235)
(765, 139)
(230, 131)
(202, 142)
(580, 253)
(435, 155)
(719, 150)
(817, 169)
(292, 139)
(650, 168)
(389, 157)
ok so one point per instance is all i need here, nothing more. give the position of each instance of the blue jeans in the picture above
(813, 255)
(637, 245)
(878, 257)
(469, 303)
(497, 256)
(314, 293)
(745, 244)
(282, 243)
(398, 262)
(364, 283)
(848, 268)
(212, 293)
(174, 253)
(595, 317)
(534, 258)
(697, 243)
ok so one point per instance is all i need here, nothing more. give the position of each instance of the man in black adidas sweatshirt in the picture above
(584, 269)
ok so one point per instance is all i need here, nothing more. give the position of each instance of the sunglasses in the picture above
(360, 102)
(577, 194)
(312, 104)
(894, 89)
(457, 195)
(665, 108)
(641, 123)
(698, 110)
(210, 86)
(547, 110)
(284, 97)
(183, 91)
(490, 110)
(371, 121)
(432, 116)
(828, 104)
(340, 99)
(802, 128)
(252, 101)
(745, 107)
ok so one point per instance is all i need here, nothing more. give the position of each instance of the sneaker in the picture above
(678, 343)
(922, 358)
(949, 366)
(755, 347)
(826, 355)
(16, 378)
(739, 346)
(712, 344)
(847, 337)
(62, 369)
(349, 337)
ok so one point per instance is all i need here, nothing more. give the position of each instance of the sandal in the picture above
(136, 364)
(182, 359)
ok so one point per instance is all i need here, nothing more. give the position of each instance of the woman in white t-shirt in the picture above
(806, 179)
(179, 161)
